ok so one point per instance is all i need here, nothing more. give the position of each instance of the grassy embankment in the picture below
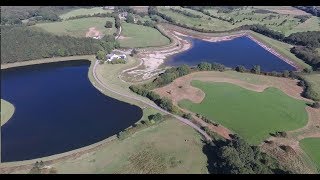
(77, 27)
(312, 147)
(141, 36)
(7, 110)
(314, 81)
(250, 114)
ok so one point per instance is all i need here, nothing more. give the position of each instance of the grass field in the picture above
(250, 114)
(78, 27)
(7, 110)
(286, 23)
(84, 11)
(141, 36)
(158, 149)
(280, 47)
(312, 147)
(314, 80)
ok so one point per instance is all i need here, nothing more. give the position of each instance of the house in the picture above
(123, 15)
(108, 8)
(113, 56)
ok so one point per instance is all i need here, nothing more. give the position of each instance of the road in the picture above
(185, 121)
(118, 33)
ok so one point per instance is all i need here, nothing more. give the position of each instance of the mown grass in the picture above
(250, 114)
(158, 149)
(77, 27)
(141, 36)
(84, 11)
(7, 110)
(312, 147)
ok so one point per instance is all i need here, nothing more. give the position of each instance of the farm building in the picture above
(113, 56)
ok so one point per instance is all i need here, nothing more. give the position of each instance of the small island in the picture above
(7, 110)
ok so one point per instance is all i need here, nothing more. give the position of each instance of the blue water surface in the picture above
(57, 110)
(239, 51)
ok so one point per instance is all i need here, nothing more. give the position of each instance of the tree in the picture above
(139, 22)
(241, 68)
(133, 52)
(307, 70)
(183, 70)
(108, 24)
(156, 117)
(101, 55)
(130, 18)
(217, 67)
(187, 116)
(148, 23)
(286, 73)
(204, 66)
(316, 105)
(256, 69)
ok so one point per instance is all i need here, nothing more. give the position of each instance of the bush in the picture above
(187, 116)
(204, 66)
(218, 67)
(240, 68)
(307, 70)
(101, 55)
(256, 69)
(156, 117)
(108, 24)
(316, 105)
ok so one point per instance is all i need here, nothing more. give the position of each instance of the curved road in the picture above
(185, 121)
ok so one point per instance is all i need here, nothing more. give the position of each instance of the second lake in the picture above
(239, 51)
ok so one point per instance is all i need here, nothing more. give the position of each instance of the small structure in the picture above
(123, 15)
(108, 8)
(112, 56)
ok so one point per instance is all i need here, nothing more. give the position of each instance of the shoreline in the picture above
(153, 58)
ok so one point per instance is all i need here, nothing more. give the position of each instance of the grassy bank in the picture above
(251, 114)
(7, 110)
(78, 27)
(141, 36)
(314, 84)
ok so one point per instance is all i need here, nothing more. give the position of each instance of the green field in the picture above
(312, 147)
(7, 110)
(250, 114)
(84, 11)
(285, 23)
(141, 36)
(77, 27)
(281, 47)
(158, 149)
(314, 80)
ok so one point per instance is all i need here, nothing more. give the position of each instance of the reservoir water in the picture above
(57, 109)
(239, 51)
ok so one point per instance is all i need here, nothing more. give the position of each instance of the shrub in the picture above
(108, 24)
(256, 69)
(316, 105)
(187, 116)
(156, 117)
(240, 68)
(101, 55)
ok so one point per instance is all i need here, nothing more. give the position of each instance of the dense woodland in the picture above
(15, 14)
(314, 10)
(238, 157)
(20, 43)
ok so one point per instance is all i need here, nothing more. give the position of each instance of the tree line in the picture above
(236, 156)
(13, 15)
(21, 43)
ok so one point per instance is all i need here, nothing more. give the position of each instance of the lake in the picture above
(57, 109)
(239, 51)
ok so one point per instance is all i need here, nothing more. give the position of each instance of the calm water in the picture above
(57, 110)
(239, 51)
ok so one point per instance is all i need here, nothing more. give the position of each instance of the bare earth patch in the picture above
(93, 32)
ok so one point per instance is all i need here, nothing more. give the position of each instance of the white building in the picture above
(113, 56)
